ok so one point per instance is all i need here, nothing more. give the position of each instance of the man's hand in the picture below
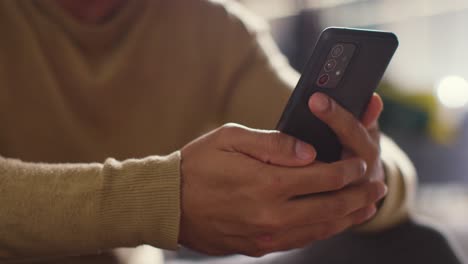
(254, 192)
(360, 139)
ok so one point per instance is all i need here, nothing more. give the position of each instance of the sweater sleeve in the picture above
(72, 209)
(261, 88)
(401, 181)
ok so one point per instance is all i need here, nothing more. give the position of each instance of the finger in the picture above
(334, 205)
(369, 121)
(302, 236)
(349, 130)
(374, 132)
(267, 146)
(315, 178)
(371, 116)
(373, 111)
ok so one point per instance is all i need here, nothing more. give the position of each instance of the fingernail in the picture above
(383, 189)
(363, 167)
(371, 212)
(320, 102)
(303, 150)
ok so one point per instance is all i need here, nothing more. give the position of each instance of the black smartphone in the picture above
(347, 65)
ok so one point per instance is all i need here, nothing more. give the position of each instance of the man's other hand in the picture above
(254, 192)
(359, 138)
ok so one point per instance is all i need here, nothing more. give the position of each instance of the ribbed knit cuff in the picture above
(140, 202)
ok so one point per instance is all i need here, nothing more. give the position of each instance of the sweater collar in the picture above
(94, 37)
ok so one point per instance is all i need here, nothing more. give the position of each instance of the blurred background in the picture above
(425, 89)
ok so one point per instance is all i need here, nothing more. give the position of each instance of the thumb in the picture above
(269, 146)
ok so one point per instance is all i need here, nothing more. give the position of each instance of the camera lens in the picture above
(323, 79)
(337, 51)
(330, 65)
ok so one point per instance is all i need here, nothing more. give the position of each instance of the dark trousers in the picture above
(407, 243)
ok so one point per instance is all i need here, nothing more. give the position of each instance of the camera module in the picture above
(323, 79)
(330, 65)
(333, 67)
(337, 51)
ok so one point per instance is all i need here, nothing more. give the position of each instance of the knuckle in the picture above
(338, 180)
(266, 221)
(345, 123)
(261, 248)
(349, 126)
(230, 125)
(343, 130)
(271, 225)
(260, 254)
(303, 242)
(354, 128)
(230, 130)
(274, 139)
(265, 156)
(278, 142)
(256, 253)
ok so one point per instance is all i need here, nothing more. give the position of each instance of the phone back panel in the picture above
(374, 50)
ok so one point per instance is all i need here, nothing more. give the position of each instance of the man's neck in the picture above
(91, 11)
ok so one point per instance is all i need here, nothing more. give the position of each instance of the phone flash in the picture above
(338, 73)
